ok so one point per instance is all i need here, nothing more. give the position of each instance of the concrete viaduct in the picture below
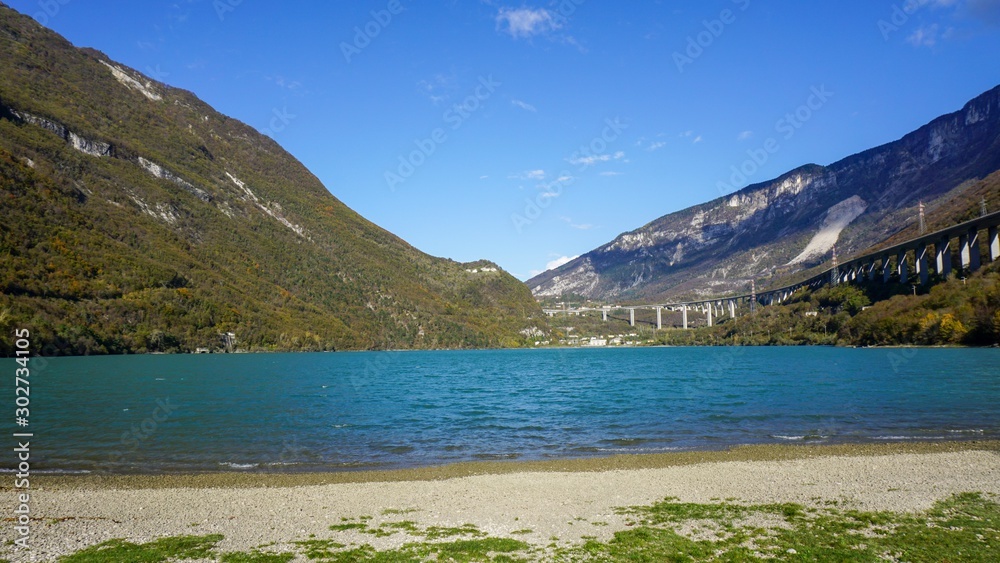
(913, 259)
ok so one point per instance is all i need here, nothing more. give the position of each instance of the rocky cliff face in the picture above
(792, 222)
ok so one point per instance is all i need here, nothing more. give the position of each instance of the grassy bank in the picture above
(965, 527)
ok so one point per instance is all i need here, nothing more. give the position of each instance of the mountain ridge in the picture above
(758, 231)
(136, 218)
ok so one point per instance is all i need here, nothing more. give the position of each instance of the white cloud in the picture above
(589, 160)
(553, 264)
(439, 87)
(593, 159)
(523, 105)
(696, 140)
(483, 177)
(656, 146)
(612, 173)
(745, 135)
(925, 36)
(526, 22)
(529, 175)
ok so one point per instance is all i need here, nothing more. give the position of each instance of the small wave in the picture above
(232, 465)
(496, 457)
(803, 438)
(968, 431)
(898, 438)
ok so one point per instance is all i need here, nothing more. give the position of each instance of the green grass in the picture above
(965, 527)
(320, 549)
(349, 526)
(398, 511)
(438, 532)
(256, 557)
(163, 549)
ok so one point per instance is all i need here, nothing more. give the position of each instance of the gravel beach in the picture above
(566, 499)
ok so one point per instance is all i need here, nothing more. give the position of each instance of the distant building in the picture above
(228, 341)
(812, 313)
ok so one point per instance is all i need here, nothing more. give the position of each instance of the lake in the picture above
(368, 410)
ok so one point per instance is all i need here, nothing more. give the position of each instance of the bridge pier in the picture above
(631, 317)
(732, 308)
(886, 268)
(709, 314)
(975, 261)
(901, 262)
(964, 255)
(921, 263)
(604, 314)
(994, 244)
(942, 257)
(684, 316)
(659, 318)
(871, 270)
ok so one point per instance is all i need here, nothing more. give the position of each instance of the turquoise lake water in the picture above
(330, 412)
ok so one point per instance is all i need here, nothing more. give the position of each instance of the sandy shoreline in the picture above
(555, 499)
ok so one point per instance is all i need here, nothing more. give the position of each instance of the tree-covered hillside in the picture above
(135, 218)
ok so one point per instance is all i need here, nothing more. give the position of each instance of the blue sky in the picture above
(530, 131)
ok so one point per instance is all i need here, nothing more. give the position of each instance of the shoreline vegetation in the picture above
(957, 312)
(920, 501)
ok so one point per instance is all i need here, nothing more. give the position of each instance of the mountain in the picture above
(135, 218)
(776, 228)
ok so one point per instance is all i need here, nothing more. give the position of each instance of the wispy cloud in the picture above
(612, 173)
(529, 175)
(744, 135)
(591, 160)
(524, 105)
(578, 226)
(438, 88)
(553, 264)
(656, 146)
(925, 36)
(695, 139)
(285, 83)
(526, 22)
